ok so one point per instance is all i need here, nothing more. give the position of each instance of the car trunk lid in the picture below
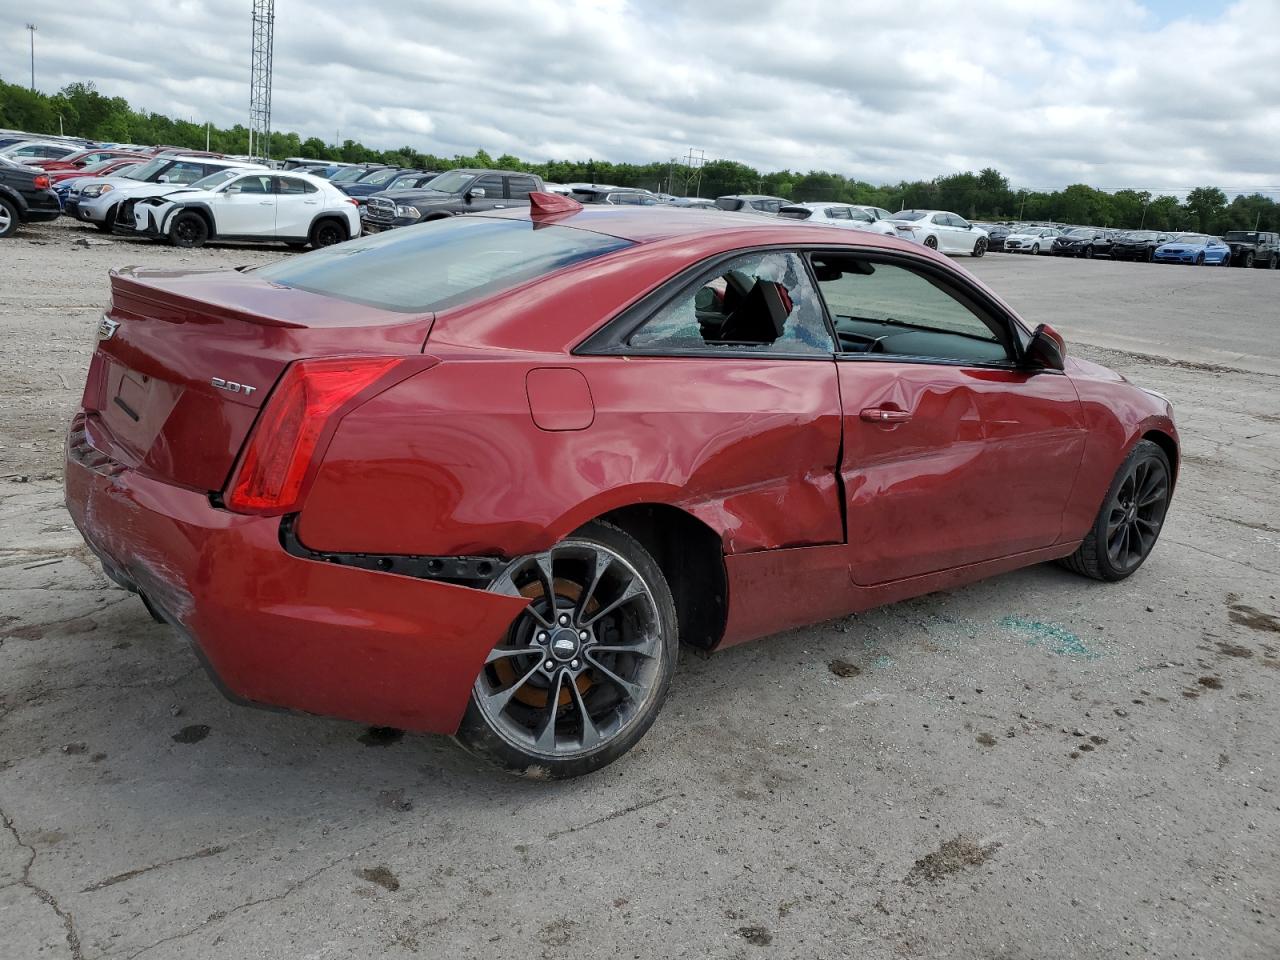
(185, 361)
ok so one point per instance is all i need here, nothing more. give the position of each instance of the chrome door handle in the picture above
(265, 203)
(885, 415)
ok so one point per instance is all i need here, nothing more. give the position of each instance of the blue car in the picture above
(1194, 248)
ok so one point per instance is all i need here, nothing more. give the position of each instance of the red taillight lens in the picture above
(284, 441)
(42, 182)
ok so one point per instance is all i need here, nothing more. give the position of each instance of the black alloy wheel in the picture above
(1129, 523)
(1151, 254)
(1248, 258)
(188, 230)
(1275, 261)
(1199, 259)
(582, 672)
(326, 233)
(931, 243)
(1088, 252)
(980, 247)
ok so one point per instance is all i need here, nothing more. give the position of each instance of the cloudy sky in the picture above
(1163, 94)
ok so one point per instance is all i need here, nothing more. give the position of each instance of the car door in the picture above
(494, 198)
(964, 234)
(246, 207)
(519, 188)
(297, 203)
(945, 232)
(731, 374)
(952, 454)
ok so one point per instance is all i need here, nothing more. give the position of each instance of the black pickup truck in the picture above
(24, 197)
(450, 194)
(1251, 248)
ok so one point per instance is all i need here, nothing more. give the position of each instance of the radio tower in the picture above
(264, 18)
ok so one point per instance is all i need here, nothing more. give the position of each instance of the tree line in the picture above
(78, 109)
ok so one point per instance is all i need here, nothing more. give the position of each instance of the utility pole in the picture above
(694, 162)
(31, 28)
(264, 18)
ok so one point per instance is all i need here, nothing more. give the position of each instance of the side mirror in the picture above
(1047, 350)
(163, 178)
(475, 193)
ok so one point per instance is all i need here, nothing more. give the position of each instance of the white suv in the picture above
(295, 208)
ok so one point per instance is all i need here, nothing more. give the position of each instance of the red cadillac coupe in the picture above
(479, 476)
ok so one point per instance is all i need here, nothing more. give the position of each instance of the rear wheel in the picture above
(1226, 261)
(980, 247)
(1131, 517)
(931, 242)
(326, 233)
(582, 672)
(1151, 254)
(1275, 261)
(188, 229)
(8, 218)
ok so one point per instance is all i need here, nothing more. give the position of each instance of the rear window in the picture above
(439, 264)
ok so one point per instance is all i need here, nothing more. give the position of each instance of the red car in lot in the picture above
(479, 476)
(103, 168)
(88, 158)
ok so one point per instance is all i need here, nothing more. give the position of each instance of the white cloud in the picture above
(1106, 91)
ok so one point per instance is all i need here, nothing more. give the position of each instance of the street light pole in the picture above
(31, 28)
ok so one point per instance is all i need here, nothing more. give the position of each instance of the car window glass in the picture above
(521, 187)
(838, 213)
(185, 172)
(940, 219)
(881, 308)
(492, 187)
(758, 303)
(860, 215)
(254, 184)
(291, 185)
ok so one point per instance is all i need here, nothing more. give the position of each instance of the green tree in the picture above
(1204, 204)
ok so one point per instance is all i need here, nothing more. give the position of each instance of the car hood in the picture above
(422, 196)
(1180, 247)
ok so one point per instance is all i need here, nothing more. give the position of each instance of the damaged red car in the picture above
(479, 477)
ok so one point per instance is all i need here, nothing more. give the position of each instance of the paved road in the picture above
(1223, 316)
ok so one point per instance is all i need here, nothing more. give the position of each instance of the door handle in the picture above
(499, 206)
(265, 203)
(885, 415)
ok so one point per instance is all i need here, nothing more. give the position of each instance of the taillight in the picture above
(284, 440)
(42, 181)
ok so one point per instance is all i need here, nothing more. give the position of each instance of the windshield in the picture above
(795, 213)
(379, 176)
(149, 168)
(451, 182)
(910, 215)
(217, 178)
(349, 174)
(1079, 232)
(1242, 236)
(100, 165)
(1139, 235)
(439, 264)
(1190, 238)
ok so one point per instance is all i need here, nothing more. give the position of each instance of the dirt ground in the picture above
(1037, 766)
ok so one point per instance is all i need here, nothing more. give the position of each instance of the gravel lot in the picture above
(1037, 766)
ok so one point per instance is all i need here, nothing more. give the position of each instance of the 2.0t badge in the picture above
(232, 387)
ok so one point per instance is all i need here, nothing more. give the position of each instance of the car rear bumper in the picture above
(275, 629)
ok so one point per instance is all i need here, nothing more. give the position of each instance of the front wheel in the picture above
(980, 247)
(1088, 253)
(1248, 259)
(188, 230)
(1200, 260)
(583, 671)
(1035, 248)
(1129, 523)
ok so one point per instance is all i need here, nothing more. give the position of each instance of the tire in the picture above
(508, 721)
(104, 225)
(9, 218)
(1225, 262)
(1248, 259)
(1088, 253)
(931, 242)
(1151, 254)
(980, 247)
(1035, 248)
(1200, 260)
(188, 229)
(327, 232)
(1142, 485)
(1275, 261)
